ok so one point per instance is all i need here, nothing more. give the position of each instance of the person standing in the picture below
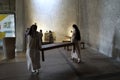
(26, 32)
(75, 39)
(51, 39)
(41, 35)
(33, 50)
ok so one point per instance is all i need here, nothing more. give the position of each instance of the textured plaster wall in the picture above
(101, 25)
(55, 15)
(19, 26)
(99, 21)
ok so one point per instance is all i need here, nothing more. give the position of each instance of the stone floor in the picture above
(59, 66)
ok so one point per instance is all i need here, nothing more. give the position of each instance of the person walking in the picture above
(75, 39)
(33, 50)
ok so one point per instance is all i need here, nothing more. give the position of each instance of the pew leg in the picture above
(43, 57)
(83, 45)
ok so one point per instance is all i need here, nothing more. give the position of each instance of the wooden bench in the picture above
(57, 45)
(52, 46)
(82, 43)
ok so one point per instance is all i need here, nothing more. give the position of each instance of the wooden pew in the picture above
(52, 46)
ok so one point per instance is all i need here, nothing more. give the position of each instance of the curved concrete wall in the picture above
(101, 23)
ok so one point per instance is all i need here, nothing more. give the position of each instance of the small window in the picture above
(7, 26)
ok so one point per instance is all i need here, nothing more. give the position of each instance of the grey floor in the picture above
(59, 66)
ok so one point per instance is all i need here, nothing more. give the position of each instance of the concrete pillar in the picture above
(19, 25)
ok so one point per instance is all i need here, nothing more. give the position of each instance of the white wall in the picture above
(55, 15)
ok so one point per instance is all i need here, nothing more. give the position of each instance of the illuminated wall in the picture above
(55, 15)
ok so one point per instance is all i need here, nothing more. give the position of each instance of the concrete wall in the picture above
(7, 6)
(100, 25)
(99, 21)
(20, 25)
(55, 15)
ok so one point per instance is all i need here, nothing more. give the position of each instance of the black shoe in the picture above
(37, 72)
(33, 72)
